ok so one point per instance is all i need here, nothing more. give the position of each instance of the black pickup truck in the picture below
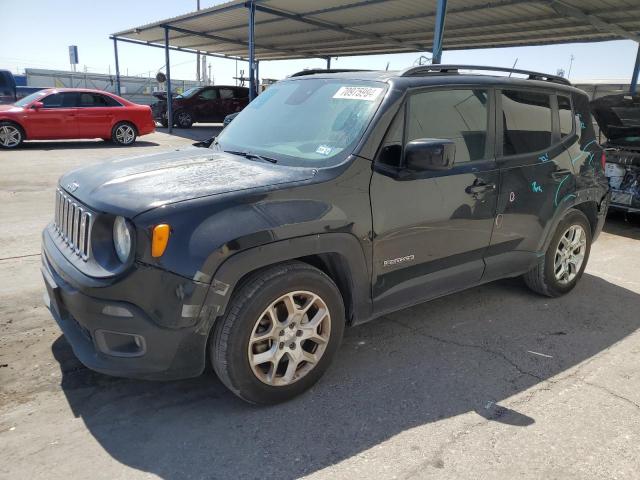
(7, 88)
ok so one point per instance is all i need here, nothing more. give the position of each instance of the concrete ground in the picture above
(494, 382)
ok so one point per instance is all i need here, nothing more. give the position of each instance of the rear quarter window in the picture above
(565, 112)
(583, 119)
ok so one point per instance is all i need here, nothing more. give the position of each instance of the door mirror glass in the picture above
(37, 105)
(205, 143)
(424, 154)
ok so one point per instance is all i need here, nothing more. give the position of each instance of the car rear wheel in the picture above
(280, 333)
(183, 119)
(562, 266)
(11, 135)
(124, 133)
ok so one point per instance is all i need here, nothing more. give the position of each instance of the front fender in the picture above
(231, 271)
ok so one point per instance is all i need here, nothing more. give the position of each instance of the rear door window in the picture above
(88, 99)
(526, 118)
(458, 115)
(226, 93)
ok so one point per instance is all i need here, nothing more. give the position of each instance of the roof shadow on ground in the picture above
(468, 352)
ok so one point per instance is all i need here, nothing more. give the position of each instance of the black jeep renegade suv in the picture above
(330, 200)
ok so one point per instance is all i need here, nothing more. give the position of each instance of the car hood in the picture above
(618, 117)
(134, 185)
(10, 108)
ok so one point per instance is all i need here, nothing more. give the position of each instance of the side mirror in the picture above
(37, 105)
(426, 154)
(205, 143)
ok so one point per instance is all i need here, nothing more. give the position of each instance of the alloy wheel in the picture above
(184, 119)
(10, 136)
(289, 338)
(125, 134)
(570, 254)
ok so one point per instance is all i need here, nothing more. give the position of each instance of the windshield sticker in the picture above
(323, 150)
(358, 93)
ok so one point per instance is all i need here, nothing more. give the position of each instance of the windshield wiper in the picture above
(252, 156)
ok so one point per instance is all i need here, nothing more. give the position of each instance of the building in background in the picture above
(135, 89)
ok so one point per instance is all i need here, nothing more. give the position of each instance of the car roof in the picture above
(222, 86)
(85, 90)
(434, 79)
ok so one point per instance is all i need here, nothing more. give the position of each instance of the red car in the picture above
(69, 113)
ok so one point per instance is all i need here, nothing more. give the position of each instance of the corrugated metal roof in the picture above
(361, 27)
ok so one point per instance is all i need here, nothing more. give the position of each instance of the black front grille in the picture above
(73, 222)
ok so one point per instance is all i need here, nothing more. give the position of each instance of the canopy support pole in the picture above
(115, 51)
(258, 77)
(168, 70)
(636, 71)
(251, 5)
(438, 33)
(328, 63)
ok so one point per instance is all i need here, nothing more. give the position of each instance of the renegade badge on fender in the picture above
(330, 200)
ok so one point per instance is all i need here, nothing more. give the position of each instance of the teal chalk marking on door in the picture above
(535, 188)
(555, 201)
(583, 151)
(574, 160)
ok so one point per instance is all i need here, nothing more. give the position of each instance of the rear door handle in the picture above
(558, 174)
(477, 188)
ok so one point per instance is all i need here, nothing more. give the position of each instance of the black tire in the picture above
(231, 335)
(182, 119)
(541, 278)
(124, 134)
(11, 135)
(164, 123)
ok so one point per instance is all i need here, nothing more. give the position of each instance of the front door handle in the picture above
(559, 174)
(478, 188)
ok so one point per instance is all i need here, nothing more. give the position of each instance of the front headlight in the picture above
(122, 238)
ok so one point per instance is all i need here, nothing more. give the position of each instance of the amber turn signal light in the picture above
(160, 239)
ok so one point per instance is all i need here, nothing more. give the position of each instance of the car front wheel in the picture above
(124, 133)
(562, 266)
(11, 135)
(280, 333)
(183, 119)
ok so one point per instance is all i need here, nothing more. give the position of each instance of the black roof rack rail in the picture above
(445, 69)
(313, 71)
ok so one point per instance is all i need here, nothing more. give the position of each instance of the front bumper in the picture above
(113, 329)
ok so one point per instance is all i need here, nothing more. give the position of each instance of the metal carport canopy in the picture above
(289, 29)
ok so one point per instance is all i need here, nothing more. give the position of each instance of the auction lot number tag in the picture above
(358, 93)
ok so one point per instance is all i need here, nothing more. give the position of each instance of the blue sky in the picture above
(36, 33)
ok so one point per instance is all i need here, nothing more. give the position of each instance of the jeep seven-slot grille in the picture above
(73, 222)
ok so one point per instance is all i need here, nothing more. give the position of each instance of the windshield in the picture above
(23, 102)
(189, 93)
(310, 122)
